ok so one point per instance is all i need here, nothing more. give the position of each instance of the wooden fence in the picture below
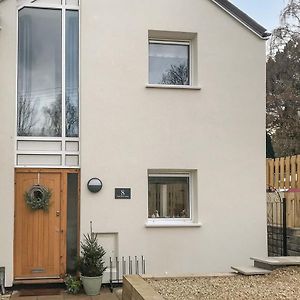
(274, 209)
(284, 172)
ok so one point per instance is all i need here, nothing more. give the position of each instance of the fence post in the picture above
(110, 274)
(284, 227)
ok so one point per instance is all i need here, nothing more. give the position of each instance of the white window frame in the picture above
(190, 58)
(172, 221)
(63, 139)
(37, 4)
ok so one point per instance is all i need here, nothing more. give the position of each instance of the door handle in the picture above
(57, 213)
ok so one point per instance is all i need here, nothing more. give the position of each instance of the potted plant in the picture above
(91, 265)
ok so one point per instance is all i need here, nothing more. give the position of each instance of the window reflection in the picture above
(72, 74)
(168, 63)
(39, 73)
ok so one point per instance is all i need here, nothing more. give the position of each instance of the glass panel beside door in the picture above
(72, 221)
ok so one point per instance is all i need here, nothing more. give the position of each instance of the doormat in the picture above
(39, 292)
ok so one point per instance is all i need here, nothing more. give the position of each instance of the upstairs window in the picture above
(169, 62)
(48, 73)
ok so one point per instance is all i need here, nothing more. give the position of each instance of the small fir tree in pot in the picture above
(91, 264)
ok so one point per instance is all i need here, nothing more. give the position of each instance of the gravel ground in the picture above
(280, 284)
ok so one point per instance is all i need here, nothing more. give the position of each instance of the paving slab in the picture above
(16, 295)
(279, 260)
(76, 297)
(53, 297)
(105, 294)
(250, 270)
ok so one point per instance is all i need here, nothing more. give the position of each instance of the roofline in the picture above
(243, 18)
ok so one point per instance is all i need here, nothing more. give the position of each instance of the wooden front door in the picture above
(40, 236)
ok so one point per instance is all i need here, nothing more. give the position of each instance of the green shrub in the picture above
(73, 284)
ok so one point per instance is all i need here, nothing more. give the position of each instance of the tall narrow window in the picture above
(40, 76)
(39, 73)
(48, 83)
(72, 222)
(72, 73)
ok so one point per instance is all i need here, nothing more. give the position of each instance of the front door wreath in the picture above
(37, 197)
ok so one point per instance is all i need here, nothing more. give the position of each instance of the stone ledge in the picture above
(135, 288)
(184, 276)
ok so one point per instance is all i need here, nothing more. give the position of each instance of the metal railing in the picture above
(276, 224)
(125, 266)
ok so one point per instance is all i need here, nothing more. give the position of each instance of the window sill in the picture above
(151, 224)
(178, 87)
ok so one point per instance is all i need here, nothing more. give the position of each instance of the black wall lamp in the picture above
(94, 185)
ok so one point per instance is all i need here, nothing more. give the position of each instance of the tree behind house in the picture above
(283, 83)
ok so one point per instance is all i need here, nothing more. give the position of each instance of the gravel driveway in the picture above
(280, 284)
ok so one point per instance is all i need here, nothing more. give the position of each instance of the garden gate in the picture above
(283, 223)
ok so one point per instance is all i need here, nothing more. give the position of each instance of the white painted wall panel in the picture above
(109, 242)
(52, 2)
(72, 146)
(72, 160)
(39, 146)
(38, 160)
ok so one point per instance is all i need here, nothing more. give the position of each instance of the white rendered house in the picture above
(163, 101)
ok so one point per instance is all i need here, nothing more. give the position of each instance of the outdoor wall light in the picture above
(94, 185)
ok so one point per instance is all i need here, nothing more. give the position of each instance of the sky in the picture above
(265, 12)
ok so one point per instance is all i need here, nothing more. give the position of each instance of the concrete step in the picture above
(250, 270)
(272, 263)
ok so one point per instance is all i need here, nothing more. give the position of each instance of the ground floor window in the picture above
(169, 196)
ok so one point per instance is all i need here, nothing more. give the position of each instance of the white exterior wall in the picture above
(127, 129)
(7, 133)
